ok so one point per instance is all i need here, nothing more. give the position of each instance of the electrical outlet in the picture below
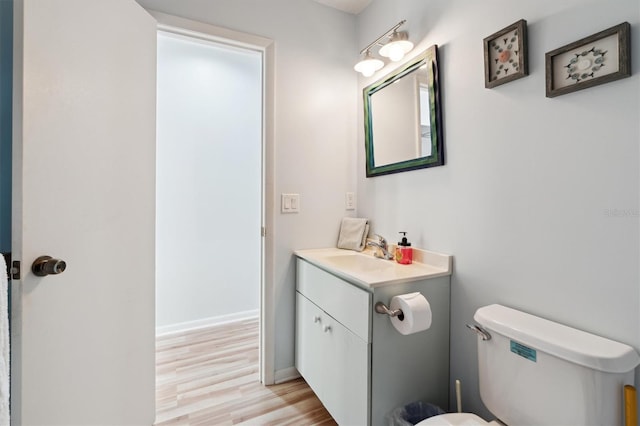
(350, 201)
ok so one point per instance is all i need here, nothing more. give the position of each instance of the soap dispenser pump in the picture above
(404, 252)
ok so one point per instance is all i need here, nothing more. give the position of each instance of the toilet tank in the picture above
(537, 372)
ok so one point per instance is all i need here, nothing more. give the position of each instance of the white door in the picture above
(84, 191)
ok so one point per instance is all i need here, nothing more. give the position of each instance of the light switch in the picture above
(290, 203)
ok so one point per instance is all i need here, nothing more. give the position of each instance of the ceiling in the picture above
(349, 6)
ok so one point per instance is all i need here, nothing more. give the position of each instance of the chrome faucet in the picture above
(383, 248)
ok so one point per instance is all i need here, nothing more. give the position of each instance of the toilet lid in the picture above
(453, 419)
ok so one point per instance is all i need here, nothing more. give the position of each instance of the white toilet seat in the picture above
(456, 419)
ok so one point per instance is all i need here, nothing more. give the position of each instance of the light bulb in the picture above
(397, 46)
(368, 65)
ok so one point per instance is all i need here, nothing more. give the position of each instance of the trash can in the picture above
(412, 413)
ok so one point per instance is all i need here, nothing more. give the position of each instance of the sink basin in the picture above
(369, 272)
(359, 263)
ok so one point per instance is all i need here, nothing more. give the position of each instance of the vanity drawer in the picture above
(340, 299)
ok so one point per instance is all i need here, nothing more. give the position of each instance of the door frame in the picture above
(199, 30)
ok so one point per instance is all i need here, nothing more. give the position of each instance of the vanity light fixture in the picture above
(395, 46)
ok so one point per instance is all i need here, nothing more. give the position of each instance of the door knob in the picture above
(46, 265)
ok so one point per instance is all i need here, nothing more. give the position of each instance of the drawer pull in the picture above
(326, 328)
(316, 318)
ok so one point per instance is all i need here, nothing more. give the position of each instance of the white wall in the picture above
(315, 127)
(539, 198)
(209, 170)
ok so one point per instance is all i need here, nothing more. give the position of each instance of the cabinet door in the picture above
(334, 361)
(346, 374)
(309, 342)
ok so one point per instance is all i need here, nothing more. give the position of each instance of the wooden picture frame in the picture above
(505, 55)
(597, 59)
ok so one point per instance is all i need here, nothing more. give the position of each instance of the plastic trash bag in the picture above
(412, 413)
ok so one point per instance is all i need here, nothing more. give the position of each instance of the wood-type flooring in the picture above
(210, 377)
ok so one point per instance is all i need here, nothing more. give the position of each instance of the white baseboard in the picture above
(285, 375)
(205, 322)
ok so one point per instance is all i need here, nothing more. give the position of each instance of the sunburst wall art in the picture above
(505, 55)
(597, 59)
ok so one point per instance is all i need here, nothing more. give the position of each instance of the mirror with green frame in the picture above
(403, 118)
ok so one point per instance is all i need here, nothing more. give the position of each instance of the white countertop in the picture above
(363, 269)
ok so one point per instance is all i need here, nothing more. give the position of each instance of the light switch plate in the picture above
(290, 203)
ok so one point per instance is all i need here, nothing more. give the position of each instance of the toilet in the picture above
(533, 371)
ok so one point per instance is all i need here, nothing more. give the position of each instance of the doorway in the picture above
(199, 32)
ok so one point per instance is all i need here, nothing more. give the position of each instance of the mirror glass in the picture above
(403, 129)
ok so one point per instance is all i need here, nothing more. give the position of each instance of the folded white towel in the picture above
(353, 233)
(4, 345)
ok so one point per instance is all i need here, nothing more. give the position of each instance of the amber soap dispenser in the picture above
(404, 252)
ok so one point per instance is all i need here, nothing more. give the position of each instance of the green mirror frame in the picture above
(436, 158)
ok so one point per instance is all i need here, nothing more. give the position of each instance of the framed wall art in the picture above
(600, 58)
(505, 55)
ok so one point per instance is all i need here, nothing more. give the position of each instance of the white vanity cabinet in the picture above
(358, 365)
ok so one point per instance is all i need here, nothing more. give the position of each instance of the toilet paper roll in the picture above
(416, 313)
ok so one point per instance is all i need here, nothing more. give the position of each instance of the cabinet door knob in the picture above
(316, 318)
(326, 328)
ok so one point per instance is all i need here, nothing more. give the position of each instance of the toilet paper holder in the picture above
(381, 308)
